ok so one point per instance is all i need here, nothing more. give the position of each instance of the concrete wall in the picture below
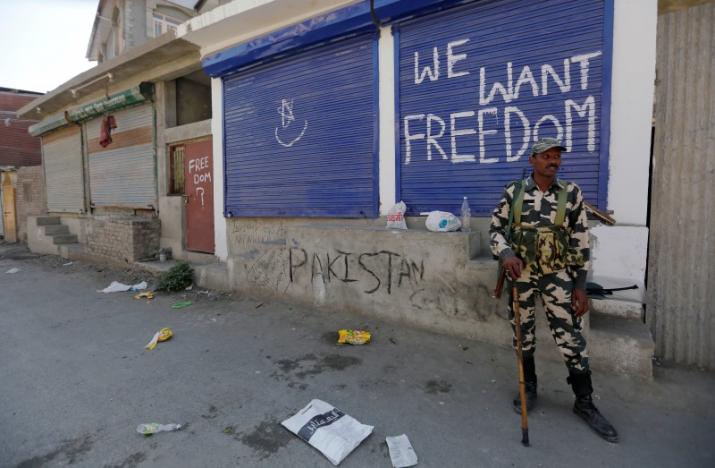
(126, 240)
(193, 101)
(621, 251)
(30, 197)
(682, 244)
(415, 277)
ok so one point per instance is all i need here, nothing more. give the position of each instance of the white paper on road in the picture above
(401, 452)
(12, 271)
(153, 428)
(334, 433)
(116, 286)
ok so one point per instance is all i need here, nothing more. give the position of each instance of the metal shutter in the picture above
(301, 134)
(551, 38)
(64, 172)
(123, 173)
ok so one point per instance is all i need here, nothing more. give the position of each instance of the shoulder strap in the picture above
(561, 206)
(518, 202)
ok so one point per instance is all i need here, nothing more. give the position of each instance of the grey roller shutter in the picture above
(62, 158)
(123, 173)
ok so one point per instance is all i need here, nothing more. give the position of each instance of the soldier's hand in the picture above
(579, 302)
(513, 266)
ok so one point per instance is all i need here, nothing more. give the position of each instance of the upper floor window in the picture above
(163, 23)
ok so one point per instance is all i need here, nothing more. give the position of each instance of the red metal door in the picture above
(199, 196)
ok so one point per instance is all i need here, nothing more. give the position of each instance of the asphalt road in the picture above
(75, 381)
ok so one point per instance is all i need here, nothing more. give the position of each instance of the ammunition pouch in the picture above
(546, 247)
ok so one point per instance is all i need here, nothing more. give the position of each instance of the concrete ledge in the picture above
(213, 276)
(622, 346)
(156, 267)
(47, 220)
(188, 131)
(618, 308)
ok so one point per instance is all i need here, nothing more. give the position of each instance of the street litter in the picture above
(329, 430)
(401, 452)
(144, 295)
(162, 335)
(12, 271)
(153, 428)
(67, 264)
(353, 337)
(396, 216)
(116, 286)
(181, 304)
(442, 221)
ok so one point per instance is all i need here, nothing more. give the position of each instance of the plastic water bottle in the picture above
(466, 215)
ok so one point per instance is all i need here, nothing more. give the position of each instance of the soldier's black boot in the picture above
(584, 407)
(529, 384)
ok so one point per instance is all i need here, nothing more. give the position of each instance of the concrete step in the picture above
(71, 251)
(56, 229)
(624, 304)
(156, 267)
(621, 345)
(48, 220)
(213, 276)
(618, 308)
(64, 239)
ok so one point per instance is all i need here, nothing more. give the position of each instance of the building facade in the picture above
(326, 114)
(113, 140)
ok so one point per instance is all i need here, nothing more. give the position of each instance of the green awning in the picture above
(48, 124)
(117, 101)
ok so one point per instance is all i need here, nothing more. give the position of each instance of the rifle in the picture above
(501, 275)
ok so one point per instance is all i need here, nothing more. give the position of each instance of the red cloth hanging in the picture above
(105, 130)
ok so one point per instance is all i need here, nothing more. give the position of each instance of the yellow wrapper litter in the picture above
(353, 337)
(144, 295)
(162, 335)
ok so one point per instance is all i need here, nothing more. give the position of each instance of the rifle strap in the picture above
(561, 206)
(517, 204)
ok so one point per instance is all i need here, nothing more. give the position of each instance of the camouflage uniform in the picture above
(550, 271)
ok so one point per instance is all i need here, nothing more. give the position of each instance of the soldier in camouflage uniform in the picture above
(548, 254)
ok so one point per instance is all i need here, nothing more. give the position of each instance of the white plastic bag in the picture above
(442, 221)
(325, 427)
(116, 286)
(396, 216)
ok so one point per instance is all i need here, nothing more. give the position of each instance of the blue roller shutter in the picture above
(457, 140)
(301, 134)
